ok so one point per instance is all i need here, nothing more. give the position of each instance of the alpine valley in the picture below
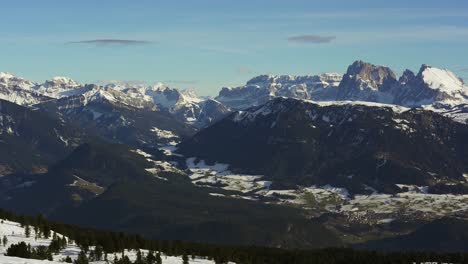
(364, 159)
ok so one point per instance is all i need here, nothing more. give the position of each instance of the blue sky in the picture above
(207, 44)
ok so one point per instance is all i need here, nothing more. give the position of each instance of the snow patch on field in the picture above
(170, 149)
(376, 208)
(164, 133)
(407, 204)
(218, 175)
(142, 153)
(218, 167)
(159, 165)
(403, 125)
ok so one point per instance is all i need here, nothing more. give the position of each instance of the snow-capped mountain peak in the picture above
(431, 86)
(441, 79)
(18, 90)
(60, 83)
(10, 79)
(6, 75)
(59, 87)
(189, 96)
(113, 96)
(64, 81)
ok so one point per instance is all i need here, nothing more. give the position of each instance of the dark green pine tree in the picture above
(98, 252)
(36, 232)
(139, 258)
(125, 260)
(46, 230)
(185, 259)
(19, 250)
(151, 258)
(82, 258)
(158, 258)
(4, 241)
(27, 231)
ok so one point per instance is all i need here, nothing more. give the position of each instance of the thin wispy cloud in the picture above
(314, 39)
(110, 42)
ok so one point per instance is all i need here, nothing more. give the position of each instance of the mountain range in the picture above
(431, 88)
(283, 161)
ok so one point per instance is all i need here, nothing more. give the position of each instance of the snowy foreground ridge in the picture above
(16, 234)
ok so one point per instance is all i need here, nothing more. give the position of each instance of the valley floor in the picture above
(412, 203)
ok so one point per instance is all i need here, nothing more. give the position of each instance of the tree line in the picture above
(106, 243)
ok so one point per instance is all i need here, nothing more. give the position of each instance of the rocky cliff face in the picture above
(366, 82)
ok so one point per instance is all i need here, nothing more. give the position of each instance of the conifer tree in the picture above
(150, 258)
(27, 231)
(98, 252)
(36, 230)
(82, 258)
(4, 241)
(46, 230)
(158, 258)
(139, 258)
(185, 259)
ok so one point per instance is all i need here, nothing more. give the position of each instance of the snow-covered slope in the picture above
(99, 94)
(431, 86)
(16, 234)
(10, 79)
(18, 90)
(59, 87)
(441, 79)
